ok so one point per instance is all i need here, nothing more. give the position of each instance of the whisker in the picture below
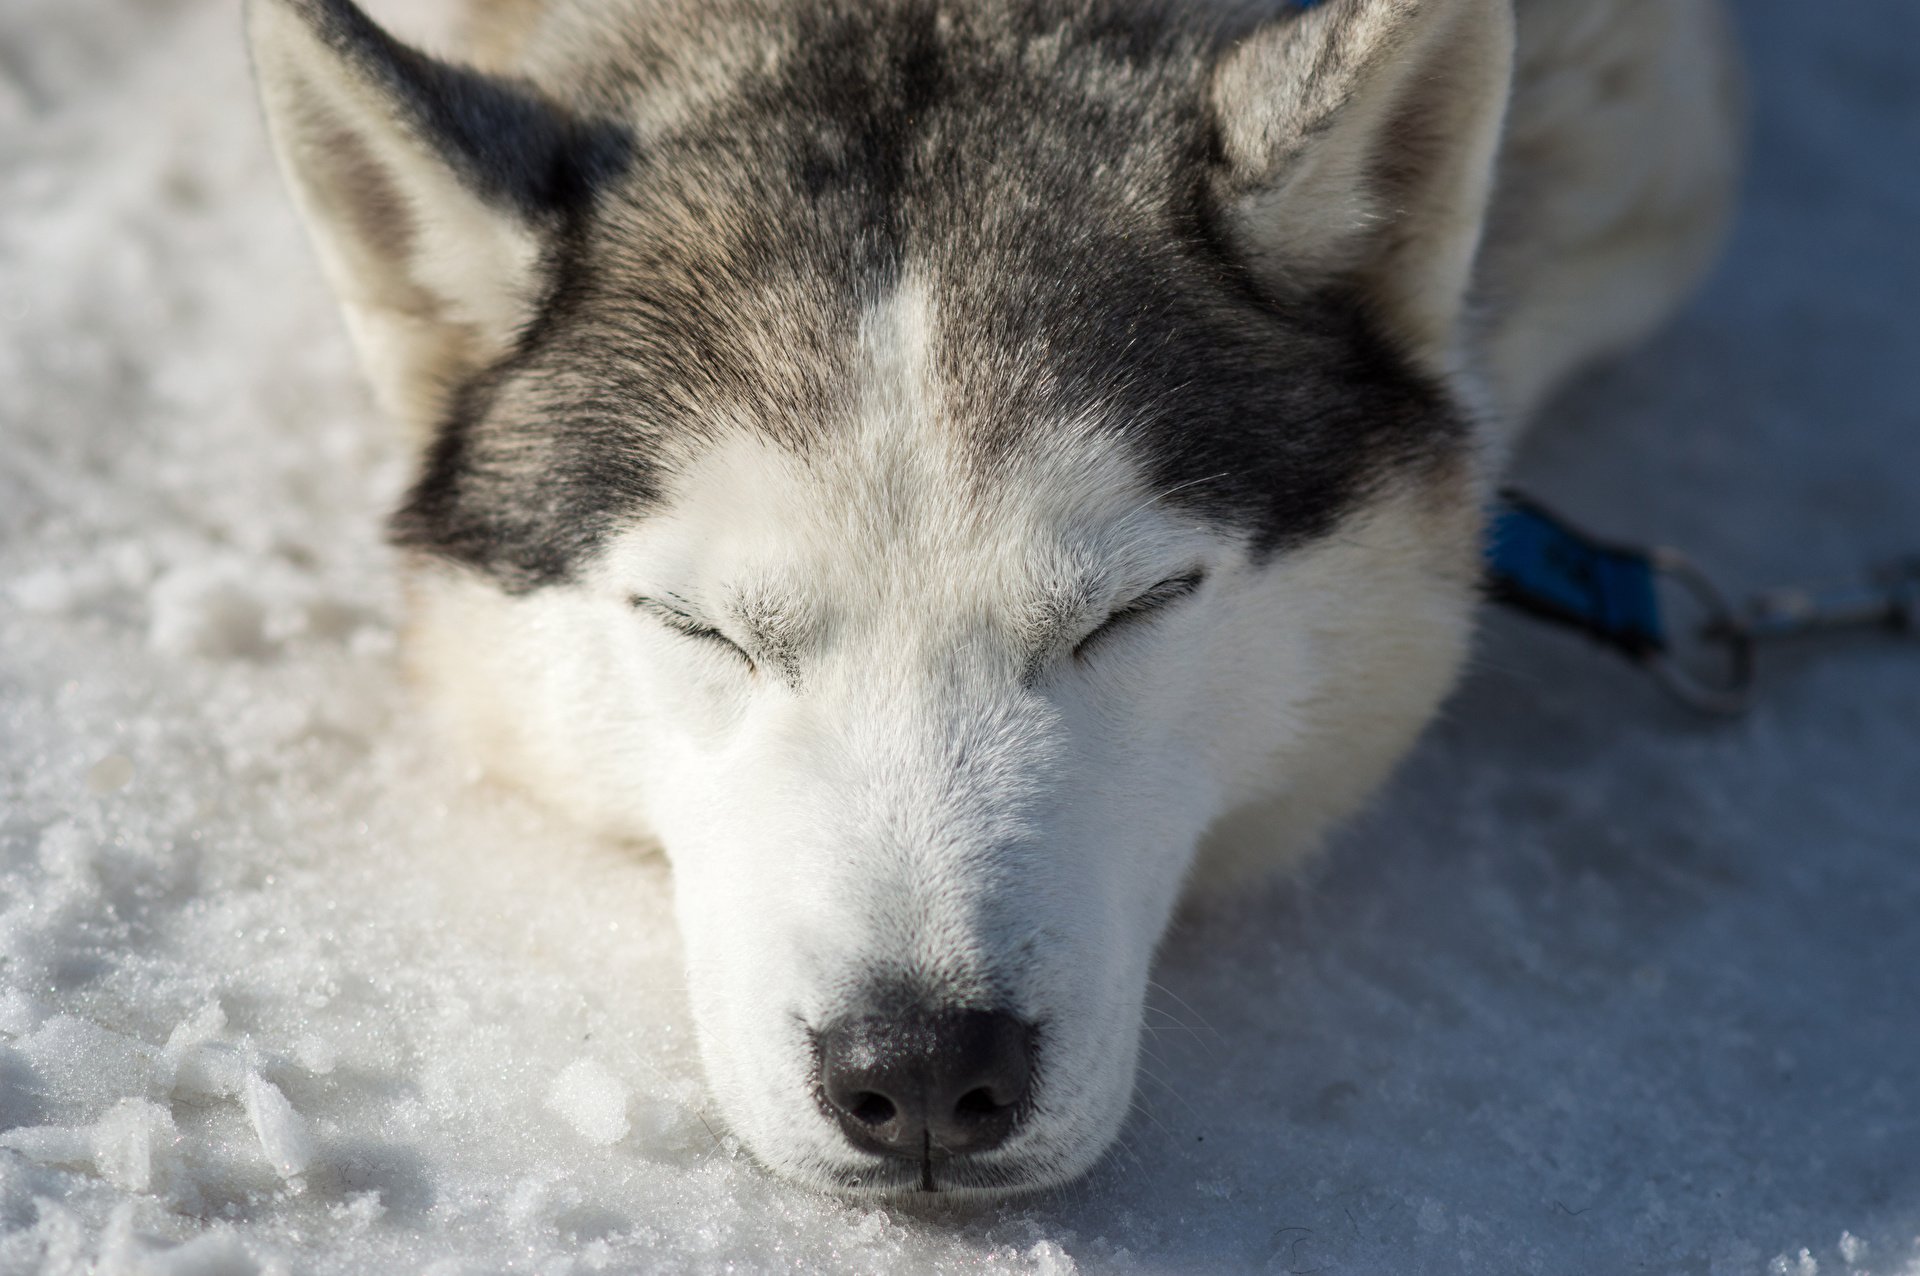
(1177, 487)
(1183, 1003)
(1180, 1098)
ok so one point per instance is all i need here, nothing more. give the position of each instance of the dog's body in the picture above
(944, 468)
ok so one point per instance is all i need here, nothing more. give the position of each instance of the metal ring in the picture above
(1722, 627)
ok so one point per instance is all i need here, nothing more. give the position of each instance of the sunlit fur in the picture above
(826, 640)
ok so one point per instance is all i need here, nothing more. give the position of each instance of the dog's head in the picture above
(933, 466)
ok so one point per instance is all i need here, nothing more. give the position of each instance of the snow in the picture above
(1599, 986)
(282, 1132)
(592, 1100)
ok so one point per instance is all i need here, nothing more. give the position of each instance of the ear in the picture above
(434, 193)
(1359, 139)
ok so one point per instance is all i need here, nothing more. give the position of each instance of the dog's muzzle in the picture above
(924, 1087)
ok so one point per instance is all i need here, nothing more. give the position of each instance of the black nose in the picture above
(917, 1085)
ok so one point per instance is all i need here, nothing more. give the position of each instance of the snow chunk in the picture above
(50, 1144)
(110, 774)
(83, 1064)
(193, 1063)
(48, 591)
(134, 1147)
(592, 1100)
(358, 1212)
(18, 1013)
(212, 1069)
(217, 1253)
(316, 1054)
(205, 611)
(68, 853)
(1049, 1259)
(283, 1133)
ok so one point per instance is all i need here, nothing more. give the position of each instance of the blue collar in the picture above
(1539, 564)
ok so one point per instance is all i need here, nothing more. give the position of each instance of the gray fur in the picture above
(1048, 170)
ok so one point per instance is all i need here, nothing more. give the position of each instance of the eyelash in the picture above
(1160, 596)
(686, 626)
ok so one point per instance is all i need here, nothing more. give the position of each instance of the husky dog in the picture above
(957, 472)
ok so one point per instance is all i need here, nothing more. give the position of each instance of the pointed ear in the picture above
(433, 192)
(1359, 140)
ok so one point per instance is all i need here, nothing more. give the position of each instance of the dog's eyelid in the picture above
(1144, 604)
(664, 609)
(1169, 590)
(682, 622)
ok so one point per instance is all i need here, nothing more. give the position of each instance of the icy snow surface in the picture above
(1599, 988)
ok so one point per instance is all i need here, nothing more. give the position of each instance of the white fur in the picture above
(907, 801)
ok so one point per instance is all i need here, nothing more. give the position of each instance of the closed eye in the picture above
(684, 623)
(1167, 592)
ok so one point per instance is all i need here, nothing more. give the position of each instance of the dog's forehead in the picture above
(1026, 184)
(895, 498)
(1023, 172)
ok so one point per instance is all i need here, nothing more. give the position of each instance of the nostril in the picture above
(978, 1103)
(872, 1109)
